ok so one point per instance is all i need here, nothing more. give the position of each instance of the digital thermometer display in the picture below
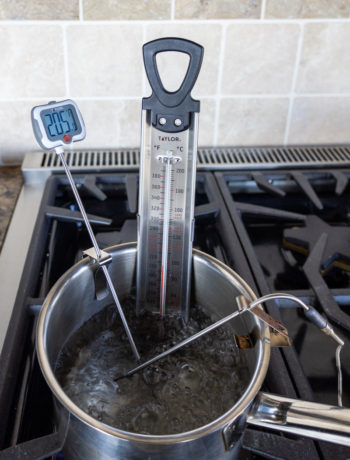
(57, 124)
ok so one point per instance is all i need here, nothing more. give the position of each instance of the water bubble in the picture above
(188, 389)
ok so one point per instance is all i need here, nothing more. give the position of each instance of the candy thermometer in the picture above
(167, 184)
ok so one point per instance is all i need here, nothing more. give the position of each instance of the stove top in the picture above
(296, 236)
(281, 230)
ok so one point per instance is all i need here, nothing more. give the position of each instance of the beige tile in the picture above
(207, 35)
(48, 10)
(127, 9)
(206, 122)
(15, 121)
(252, 121)
(259, 58)
(325, 60)
(105, 60)
(307, 9)
(320, 120)
(31, 62)
(114, 124)
(111, 124)
(223, 9)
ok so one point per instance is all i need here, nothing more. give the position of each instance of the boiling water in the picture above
(183, 391)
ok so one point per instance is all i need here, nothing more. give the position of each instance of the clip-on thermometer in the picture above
(55, 126)
(167, 184)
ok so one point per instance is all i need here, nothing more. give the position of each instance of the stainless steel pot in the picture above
(72, 301)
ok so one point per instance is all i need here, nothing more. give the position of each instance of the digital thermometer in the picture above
(57, 124)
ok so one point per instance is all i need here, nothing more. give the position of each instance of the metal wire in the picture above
(340, 376)
(282, 295)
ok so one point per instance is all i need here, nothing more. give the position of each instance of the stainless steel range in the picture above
(278, 216)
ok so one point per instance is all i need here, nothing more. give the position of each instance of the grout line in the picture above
(144, 38)
(275, 96)
(172, 13)
(65, 58)
(216, 121)
(198, 96)
(108, 98)
(263, 9)
(81, 11)
(178, 21)
(294, 83)
(253, 96)
(76, 98)
(346, 94)
(219, 82)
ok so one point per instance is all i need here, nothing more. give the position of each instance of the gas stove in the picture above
(278, 216)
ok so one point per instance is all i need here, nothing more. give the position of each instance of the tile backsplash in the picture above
(274, 71)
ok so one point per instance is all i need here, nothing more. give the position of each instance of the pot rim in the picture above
(241, 405)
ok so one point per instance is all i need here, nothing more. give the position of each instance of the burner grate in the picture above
(38, 164)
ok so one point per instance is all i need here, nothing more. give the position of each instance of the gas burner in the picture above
(337, 248)
(327, 302)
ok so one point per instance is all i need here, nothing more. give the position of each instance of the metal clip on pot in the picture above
(101, 288)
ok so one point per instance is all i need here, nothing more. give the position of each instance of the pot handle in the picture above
(310, 419)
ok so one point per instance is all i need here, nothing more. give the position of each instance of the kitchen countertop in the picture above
(10, 185)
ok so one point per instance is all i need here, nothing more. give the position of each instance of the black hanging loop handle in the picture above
(177, 103)
(195, 53)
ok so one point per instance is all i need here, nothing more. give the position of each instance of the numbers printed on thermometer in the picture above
(61, 122)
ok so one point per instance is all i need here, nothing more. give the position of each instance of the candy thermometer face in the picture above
(57, 124)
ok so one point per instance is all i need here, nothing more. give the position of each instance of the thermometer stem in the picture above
(165, 240)
(60, 153)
